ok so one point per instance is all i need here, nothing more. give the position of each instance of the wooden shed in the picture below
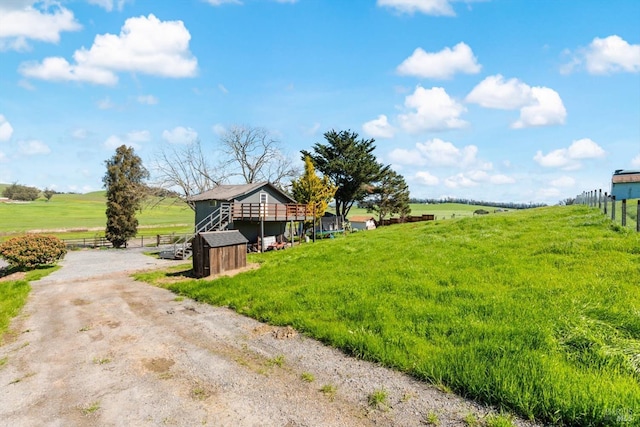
(218, 251)
(625, 184)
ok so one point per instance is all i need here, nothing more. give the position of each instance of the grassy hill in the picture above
(74, 212)
(535, 311)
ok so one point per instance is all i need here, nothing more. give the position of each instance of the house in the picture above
(216, 252)
(362, 222)
(625, 184)
(255, 210)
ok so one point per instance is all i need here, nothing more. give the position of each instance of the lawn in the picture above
(440, 210)
(78, 213)
(533, 311)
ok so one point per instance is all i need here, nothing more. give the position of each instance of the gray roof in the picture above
(219, 239)
(233, 191)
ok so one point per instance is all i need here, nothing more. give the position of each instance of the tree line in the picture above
(350, 174)
(26, 193)
(504, 205)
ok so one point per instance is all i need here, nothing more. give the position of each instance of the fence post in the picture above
(613, 208)
(606, 200)
(624, 212)
(600, 199)
(157, 240)
(142, 241)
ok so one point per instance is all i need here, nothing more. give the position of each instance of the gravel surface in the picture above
(94, 347)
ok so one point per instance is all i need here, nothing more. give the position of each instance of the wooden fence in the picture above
(618, 210)
(410, 218)
(136, 242)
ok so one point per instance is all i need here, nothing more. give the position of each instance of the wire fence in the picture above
(625, 212)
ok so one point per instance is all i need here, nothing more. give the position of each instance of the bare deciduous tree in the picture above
(255, 155)
(187, 170)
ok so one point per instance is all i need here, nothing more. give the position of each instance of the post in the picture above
(638, 217)
(606, 201)
(261, 234)
(157, 240)
(142, 241)
(624, 212)
(600, 199)
(613, 208)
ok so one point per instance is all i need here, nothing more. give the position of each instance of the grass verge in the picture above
(13, 295)
(535, 312)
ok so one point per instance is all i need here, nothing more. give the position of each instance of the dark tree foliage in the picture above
(349, 163)
(21, 192)
(48, 193)
(125, 193)
(389, 196)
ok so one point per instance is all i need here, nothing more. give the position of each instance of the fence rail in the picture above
(612, 207)
(136, 242)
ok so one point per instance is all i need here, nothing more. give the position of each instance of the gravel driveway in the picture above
(94, 347)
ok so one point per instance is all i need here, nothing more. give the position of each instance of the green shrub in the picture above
(32, 250)
(21, 192)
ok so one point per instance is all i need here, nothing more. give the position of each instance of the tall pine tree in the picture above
(389, 196)
(125, 192)
(349, 163)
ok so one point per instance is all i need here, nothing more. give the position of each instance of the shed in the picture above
(216, 252)
(362, 222)
(625, 184)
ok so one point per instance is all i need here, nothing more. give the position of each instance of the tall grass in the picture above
(537, 311)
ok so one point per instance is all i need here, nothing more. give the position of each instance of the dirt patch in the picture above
(20, 275)
(126, 353)
(158, 365)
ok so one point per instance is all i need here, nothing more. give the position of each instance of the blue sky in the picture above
(502, 100)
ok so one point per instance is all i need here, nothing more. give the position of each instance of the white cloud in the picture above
(220, 130)
(21, 21)
(147, 99)
(539, 106)
(609, 55)
(501, 179)
(494, 92)
(33, 147)
(459, 181)
(109, 5)
(438, 153)
(105, 104)
(180, 135)
(131, 139)
(435, 110)
(548, 193)
(6, 130)
(563, 181)
(379, 128)
(79, 133)
(635, 162)
(223, 89)
(440, 65)
(424, 177)
(547, 110)
(428, 7)
(569, 158)
(145, 45)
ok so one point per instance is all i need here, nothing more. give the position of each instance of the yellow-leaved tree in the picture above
(312, 190)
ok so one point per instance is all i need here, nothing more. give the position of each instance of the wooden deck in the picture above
(270, 212)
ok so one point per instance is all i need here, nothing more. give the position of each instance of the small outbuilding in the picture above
(217, 252)
(362, 222)
(625, 184)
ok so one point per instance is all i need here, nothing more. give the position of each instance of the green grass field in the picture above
(440, 210)
(534, 311)
(77, 213)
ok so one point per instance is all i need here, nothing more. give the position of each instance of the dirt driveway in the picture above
(94, 347)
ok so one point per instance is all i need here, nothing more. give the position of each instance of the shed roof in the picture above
(625, 176)
(233, 191)
(361, 218)
(219, 239)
